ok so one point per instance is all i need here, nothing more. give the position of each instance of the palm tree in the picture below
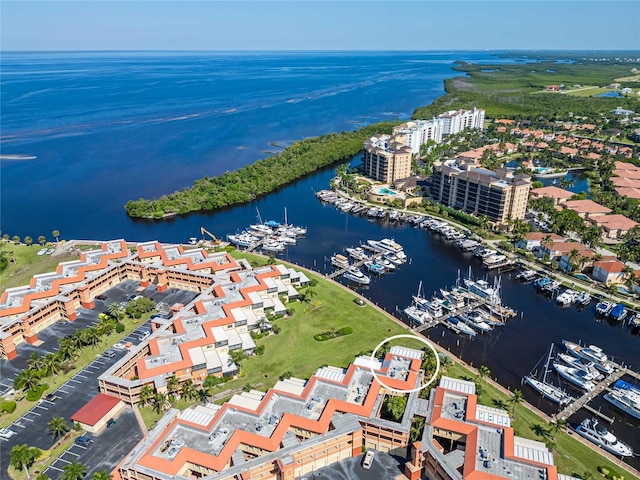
(28, 241)
(160, 402)
(42, 239)
(51, 364)
(90, 336)
(35, 361)
(573, 259)
(57, 427)
(173, 384)
(115, 310)
(42, 476)
(483, 372)
(16, 239)
(74, 471)
(23, 456)
(559, 425)
(146, 394)
(102, 475)
(189, 390)
(69, 350)
(26, 380)
(516, 399)
(56, 234)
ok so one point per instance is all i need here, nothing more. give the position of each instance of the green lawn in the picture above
(571, 457)
(27, 264)
(587, 91)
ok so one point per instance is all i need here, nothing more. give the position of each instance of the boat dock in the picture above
(583, 401)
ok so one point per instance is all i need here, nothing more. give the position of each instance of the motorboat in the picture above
(417, 315)
(590, 429)
(618, 313)
(387, 245)
(592, 371)
(388, 266)
(541, 283)
(584, 298)
(273, 246)
(603, 307)
(357, 253)
(435, 307)
(475, 322)
(592, 353)
(484, 290)
(526, 275)
(460, 327)
(393, 258)
(567, 297)
(574, 375)
(355, 275)
(375, 268)
(546, 389)
(339, 261)
(626, 397)
(245, 240)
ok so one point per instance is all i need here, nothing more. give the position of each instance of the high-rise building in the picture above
(499, 195)
(419, 132)
(386, 158)
(455, 121)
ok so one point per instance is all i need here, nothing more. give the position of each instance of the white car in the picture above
(6, 433)
(368, 459)
(119, 346)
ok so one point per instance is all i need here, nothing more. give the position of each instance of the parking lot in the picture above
(31, 428)
(386, 466)
(104, 451)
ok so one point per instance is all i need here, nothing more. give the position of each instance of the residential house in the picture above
(556, 249)
(586, 208)
(609, 272)
(613, 226)
(532, 240)
(559, 195)
(576, 259)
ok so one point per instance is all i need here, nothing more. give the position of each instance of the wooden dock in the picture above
(583, 401)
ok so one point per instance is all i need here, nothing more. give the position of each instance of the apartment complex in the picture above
(386, 158)
(499, 195)
(455, 121)
(295, 428)
(466, 440)
(419, 132)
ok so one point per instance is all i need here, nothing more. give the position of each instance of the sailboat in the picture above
(547, 390)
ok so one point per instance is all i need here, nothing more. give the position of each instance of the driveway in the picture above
(385, 467)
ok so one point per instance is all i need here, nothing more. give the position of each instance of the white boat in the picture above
(273, 246)
(574, 375)
(417, 315)
(603, 307)
(387, 245)
(245, 240)
(475, 322)
(388, 266)
(339, 261)
(526, 275)
(626, 397)
(584, 298)
(592, 353)
(355, 275)
(434, 307)
(460, 327)
(619, 312)
(374, 268)
(548, 390)
(357, 253)
(393, 258)
(567, 297)
(596, 433)
(592, 372)
(484, 290)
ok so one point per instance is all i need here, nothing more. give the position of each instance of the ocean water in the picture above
(109, 127)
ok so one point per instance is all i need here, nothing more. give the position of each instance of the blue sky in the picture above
(319, 25)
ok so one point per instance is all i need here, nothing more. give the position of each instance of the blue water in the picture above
(109, 127)
(386, 191)
(609, 95)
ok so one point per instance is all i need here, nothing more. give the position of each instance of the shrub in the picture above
(7, 406)
(119, 327)
(35, 395)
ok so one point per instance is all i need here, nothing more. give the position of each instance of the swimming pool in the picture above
(582, 277)
(386, 191)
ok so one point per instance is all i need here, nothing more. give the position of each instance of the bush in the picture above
(324, 336)
(35, 395)
(7, 406)
(119, 327)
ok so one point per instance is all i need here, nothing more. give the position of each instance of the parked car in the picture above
(111, 422)
(109, 353)
(83, 441)
(119, 346)
(368, 459)
(51, 397)
(101, 297)
(6, 433)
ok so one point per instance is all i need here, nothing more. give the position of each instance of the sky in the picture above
(319, 25)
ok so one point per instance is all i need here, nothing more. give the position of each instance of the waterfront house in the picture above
(556, 249)
(532, 240)
(586, 208)
(613, 226)
(609, 272)
(577, 259)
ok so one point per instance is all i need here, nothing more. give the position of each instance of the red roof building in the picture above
(97, 412)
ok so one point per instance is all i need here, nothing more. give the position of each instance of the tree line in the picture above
(262, 177)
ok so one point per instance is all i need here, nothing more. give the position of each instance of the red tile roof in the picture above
(610, 267)
(95, 409)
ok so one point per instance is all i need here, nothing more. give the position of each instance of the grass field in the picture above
(27, 264)
(571, 457)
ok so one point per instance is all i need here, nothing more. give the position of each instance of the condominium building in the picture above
(455, 121)
(290, 431)
(386, 158)
(418, 132)
(499, 195)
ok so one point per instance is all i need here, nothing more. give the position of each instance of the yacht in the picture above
(417, 315)
(357, 253)
(526, 275)
(541, 283)
(355, 275)
(566, 298)
(483, 289)
(434, 307)
(387, 245)
(603, 307)
(574, 375)
(592, 372)
(475, 322)
(596, 433)
(245, 240)
(387, 264)
(393, 258)
(460, 327)
(592, 353)
(584, 298)
(546, 389)
(626, 397)
(618, 313)
(374, 268)
(339, 261)
(273, 246)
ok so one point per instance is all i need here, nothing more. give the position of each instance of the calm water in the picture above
(112, 127)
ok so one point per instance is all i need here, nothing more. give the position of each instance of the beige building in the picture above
(499, 195)
(386, 158)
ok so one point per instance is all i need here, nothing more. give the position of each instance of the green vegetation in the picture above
(393, 407)
(571, 456)
(262, 177)
(515, 91)
(328, 335)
